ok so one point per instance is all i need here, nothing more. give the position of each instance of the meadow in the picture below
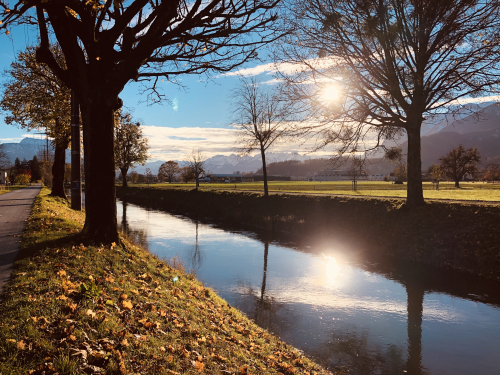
(472, 191)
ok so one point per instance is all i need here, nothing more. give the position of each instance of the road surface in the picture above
(15, 208)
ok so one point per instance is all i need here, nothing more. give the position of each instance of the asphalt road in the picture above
(15, 208)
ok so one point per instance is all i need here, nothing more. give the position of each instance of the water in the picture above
(369, 317)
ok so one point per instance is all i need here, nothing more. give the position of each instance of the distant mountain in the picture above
(232, 163)
(481, 130)
(26, 149)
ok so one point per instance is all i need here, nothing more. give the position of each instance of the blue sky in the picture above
(198, 118)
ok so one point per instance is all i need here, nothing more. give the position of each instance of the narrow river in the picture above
(370, 317)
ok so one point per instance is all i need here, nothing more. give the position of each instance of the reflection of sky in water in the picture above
(325, 305)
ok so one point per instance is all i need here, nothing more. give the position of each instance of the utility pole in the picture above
(76, 176)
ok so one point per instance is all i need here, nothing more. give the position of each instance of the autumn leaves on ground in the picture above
(71, 309)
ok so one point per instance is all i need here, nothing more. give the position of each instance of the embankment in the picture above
(459, 236)
(75, 309)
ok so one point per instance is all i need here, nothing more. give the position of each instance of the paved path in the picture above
(15, 208)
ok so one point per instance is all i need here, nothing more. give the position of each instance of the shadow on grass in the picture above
(33, 249)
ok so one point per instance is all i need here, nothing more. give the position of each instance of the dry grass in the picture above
(467, 191)
(72, 309)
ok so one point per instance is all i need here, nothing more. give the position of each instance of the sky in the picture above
(197, 118)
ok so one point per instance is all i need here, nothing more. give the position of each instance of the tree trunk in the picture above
(264, 171)
(457, 183)
(124, 176)
(100, 195)
(415, 195)
(58, 168)
(197, 182)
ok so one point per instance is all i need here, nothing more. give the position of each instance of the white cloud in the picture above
(286, 68)
(174, 143)
(175, 104)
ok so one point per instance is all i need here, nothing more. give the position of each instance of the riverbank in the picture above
(451, 235)
(72, 309)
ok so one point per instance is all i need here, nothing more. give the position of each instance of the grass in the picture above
(4, 190)
(72, 309)
(467, 191)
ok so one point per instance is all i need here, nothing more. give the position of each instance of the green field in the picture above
(477, 191)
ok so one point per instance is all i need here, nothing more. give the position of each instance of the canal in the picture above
(368, 316)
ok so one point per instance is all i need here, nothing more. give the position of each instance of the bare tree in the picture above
(106, 44)
(186, 174)
(391, 64)
(169, 170)
(356, 170)
(196, 162)
(261, 119)
(460, 162)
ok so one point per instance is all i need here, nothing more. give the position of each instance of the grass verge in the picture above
(71, 309)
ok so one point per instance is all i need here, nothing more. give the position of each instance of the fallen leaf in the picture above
(21, 345)
(90, 313)
(198, 366)
(61, 273)
(127, 305)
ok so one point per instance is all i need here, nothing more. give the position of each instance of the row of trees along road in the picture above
(35, 98)
(396, 63)
(106, 44)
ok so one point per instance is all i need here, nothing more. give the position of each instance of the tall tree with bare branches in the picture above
(196, 164)
(460, 162)
(261, 119)
(109, 43)
(395, 62)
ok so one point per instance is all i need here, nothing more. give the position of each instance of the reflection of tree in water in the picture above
(353, 353)
(138, 236)
(264, 309)
(195, 257)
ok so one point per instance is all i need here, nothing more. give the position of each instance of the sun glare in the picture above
(331, 93)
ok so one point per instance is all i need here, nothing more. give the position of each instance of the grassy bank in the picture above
(468, 191)
(72, 309)
(452, 235)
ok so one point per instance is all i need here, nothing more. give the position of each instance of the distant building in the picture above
(331, 175)
(228, 177)
(3, 177)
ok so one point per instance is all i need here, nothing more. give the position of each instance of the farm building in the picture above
(331, 175)
(226, 177)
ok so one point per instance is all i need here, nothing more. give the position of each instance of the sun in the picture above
(331, 92)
